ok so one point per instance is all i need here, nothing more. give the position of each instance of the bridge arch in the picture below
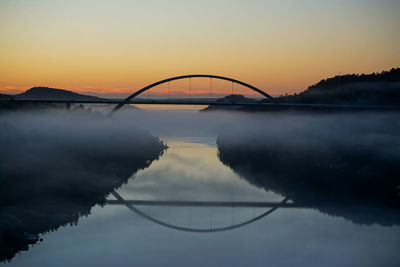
(129, 98)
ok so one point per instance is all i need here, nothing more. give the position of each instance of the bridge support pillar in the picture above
(68, 106)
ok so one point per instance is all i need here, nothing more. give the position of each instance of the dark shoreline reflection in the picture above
(52, 172)
(338, 166)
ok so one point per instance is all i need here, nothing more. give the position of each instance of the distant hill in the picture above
(369, 89)
(44, 93)
(230, 99)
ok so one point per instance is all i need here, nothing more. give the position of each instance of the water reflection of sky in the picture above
(190, 170)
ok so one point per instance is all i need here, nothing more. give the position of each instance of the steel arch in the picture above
(126, 100)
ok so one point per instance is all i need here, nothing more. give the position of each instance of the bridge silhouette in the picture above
(268, 102)
(138, 92)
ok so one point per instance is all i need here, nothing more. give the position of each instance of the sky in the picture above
(119, 46)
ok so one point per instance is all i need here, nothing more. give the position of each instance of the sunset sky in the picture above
(122, 45)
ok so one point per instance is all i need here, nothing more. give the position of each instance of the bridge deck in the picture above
(206, 103)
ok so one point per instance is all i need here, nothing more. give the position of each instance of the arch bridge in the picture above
(138, 92)
(271, 104)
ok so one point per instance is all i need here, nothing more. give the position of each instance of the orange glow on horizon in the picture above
(118, 47)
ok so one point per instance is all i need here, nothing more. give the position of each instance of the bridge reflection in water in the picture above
(130, 204)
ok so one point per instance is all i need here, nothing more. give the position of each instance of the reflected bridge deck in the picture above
(182, 203)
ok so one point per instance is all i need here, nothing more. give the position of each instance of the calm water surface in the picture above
(190, 170)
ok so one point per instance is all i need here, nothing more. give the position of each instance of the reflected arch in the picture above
(197, 230)
(251, 87)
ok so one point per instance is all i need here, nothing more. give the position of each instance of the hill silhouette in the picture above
(44, 93)
(369, 89)
(235, 98)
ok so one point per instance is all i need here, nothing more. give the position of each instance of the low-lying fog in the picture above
(56, 166)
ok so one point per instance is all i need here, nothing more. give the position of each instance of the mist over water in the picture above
(340, 169)
(344, 165)
(55, 167)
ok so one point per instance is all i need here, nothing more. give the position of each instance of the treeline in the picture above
(375, 88)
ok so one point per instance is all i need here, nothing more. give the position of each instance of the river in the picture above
(113, 235)
(203, 229)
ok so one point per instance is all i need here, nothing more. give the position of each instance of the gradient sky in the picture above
(122, 45)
